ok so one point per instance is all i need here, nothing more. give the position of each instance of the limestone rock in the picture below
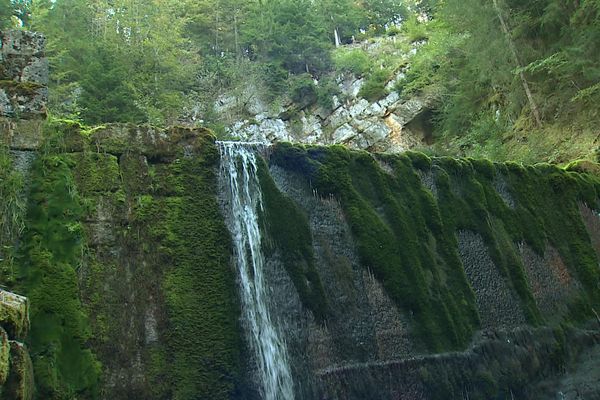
(358, 108)
(14, 314)
(351, 88)
(408, 110)
(343, 134)
(22, 43)
(24, 75)
(339, 117)
(392, 124)
(311, 129)
(375, 130)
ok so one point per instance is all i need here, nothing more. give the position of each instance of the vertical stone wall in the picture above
(23, 74)
(23, 98)
(23, 88)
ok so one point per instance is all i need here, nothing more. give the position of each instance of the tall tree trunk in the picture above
(235, 36)
(513, 50)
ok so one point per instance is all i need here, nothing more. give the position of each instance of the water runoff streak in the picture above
(239, 176)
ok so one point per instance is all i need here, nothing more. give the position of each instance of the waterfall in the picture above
(240, 181)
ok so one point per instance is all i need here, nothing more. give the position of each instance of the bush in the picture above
(303, 90)
(355, 61)
(325, 92)
(415, 31)
(374, 88)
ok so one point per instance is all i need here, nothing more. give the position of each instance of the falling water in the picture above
(239, 175)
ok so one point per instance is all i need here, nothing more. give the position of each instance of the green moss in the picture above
(584, 166)
(408, 239)
(201, 356)
(64, 366)
(14, 315)
(419, 160)
(95, 172)
(399, 235)
(20, 382)
(4, 357)
(288, 230)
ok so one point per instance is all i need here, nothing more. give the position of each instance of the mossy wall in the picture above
(126, 261)
(405, 210)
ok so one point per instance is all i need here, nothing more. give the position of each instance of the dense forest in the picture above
(500, 70)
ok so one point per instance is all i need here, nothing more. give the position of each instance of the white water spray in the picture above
(239, 175)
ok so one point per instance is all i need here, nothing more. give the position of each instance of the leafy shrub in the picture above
(415, 31)
(355, 61)
(303, 90)
(374, 88)
(325, 92)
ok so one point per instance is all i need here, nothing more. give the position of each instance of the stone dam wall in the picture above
(401, 276)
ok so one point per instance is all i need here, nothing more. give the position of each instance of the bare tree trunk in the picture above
(217, 22)
(513, 50)
(235, 35)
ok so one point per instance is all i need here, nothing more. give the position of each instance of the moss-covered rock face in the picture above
(126, 260)
(405, 212)
(4, 356)
(157, 307)
(14, 314)
(20, 383)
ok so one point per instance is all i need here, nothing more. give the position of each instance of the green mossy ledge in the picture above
(406, 235)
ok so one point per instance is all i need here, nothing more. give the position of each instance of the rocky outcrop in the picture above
(23, 75)
(391, 124)
(16, 370)
(23, 88)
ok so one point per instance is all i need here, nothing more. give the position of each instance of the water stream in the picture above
(239, 177)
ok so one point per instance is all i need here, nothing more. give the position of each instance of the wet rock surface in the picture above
(363, 324)
(497, 303)
(550, 280)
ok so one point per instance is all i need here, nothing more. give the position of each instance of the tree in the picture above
(6, 12)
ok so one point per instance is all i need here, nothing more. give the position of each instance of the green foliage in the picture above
(7, 10)
(303, 90)
(12, 214)
(64, 365)
(326, 89)
(109, 64)
(415, 30)
(106, 95)
(355, 61)
(469, 62)
(374, 87)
